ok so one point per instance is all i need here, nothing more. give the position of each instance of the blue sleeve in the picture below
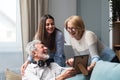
(95, 59)
(29, 58)
(59, 54)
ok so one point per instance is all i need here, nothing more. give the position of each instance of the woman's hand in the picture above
(23, 67)
(69, 62)
(90, 68)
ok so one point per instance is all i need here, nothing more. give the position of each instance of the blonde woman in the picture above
(85, 42)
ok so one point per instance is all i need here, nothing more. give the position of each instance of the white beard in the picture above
(44, 56)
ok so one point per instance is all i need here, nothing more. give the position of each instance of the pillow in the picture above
(79, 77)
(11, 75)
(106, 71)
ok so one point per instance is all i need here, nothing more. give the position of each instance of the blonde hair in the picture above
(76, 21)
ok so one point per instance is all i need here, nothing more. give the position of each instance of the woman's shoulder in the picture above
(59, 35)
(90, 36)
(89, 33)
(59, 32)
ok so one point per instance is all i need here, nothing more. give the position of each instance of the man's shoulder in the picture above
(55, 65)
(31, 65)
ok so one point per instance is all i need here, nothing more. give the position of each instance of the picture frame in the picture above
(80, 64)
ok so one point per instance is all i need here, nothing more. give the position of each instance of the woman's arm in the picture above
(92, 42)
(59, 54)
(23, 67)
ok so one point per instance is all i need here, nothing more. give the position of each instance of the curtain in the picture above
(31, 11)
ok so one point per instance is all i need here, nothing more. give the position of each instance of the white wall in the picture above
(95, 14)
(61, 10)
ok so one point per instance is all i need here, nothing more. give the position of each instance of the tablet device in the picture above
(81, 63)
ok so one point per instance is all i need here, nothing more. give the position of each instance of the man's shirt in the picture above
(34, 72)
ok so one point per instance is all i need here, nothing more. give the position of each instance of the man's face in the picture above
(41, 52)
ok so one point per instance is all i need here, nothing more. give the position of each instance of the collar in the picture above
(42, 63)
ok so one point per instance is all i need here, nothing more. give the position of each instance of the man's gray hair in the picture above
(31, 46)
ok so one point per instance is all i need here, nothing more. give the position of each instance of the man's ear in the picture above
(34, 53)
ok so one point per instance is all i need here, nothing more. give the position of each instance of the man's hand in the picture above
(67, 74)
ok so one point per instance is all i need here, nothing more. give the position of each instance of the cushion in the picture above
(79, 77)
(106, 71)
(11, 75)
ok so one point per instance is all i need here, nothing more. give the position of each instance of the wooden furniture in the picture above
(116, 26)
(116, 38)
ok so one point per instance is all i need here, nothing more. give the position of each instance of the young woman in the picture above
(85, 42)
(52, 38)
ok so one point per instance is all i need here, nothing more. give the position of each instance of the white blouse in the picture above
(89, 44)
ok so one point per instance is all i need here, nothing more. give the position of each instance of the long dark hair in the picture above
(42, 34)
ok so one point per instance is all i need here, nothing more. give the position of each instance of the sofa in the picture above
(12, 75)
(103, 70)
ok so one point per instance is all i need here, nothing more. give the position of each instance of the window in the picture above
(10, 38)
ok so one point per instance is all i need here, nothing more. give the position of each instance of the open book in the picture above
(80, 64)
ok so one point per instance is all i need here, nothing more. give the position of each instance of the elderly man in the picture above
(43, 68)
